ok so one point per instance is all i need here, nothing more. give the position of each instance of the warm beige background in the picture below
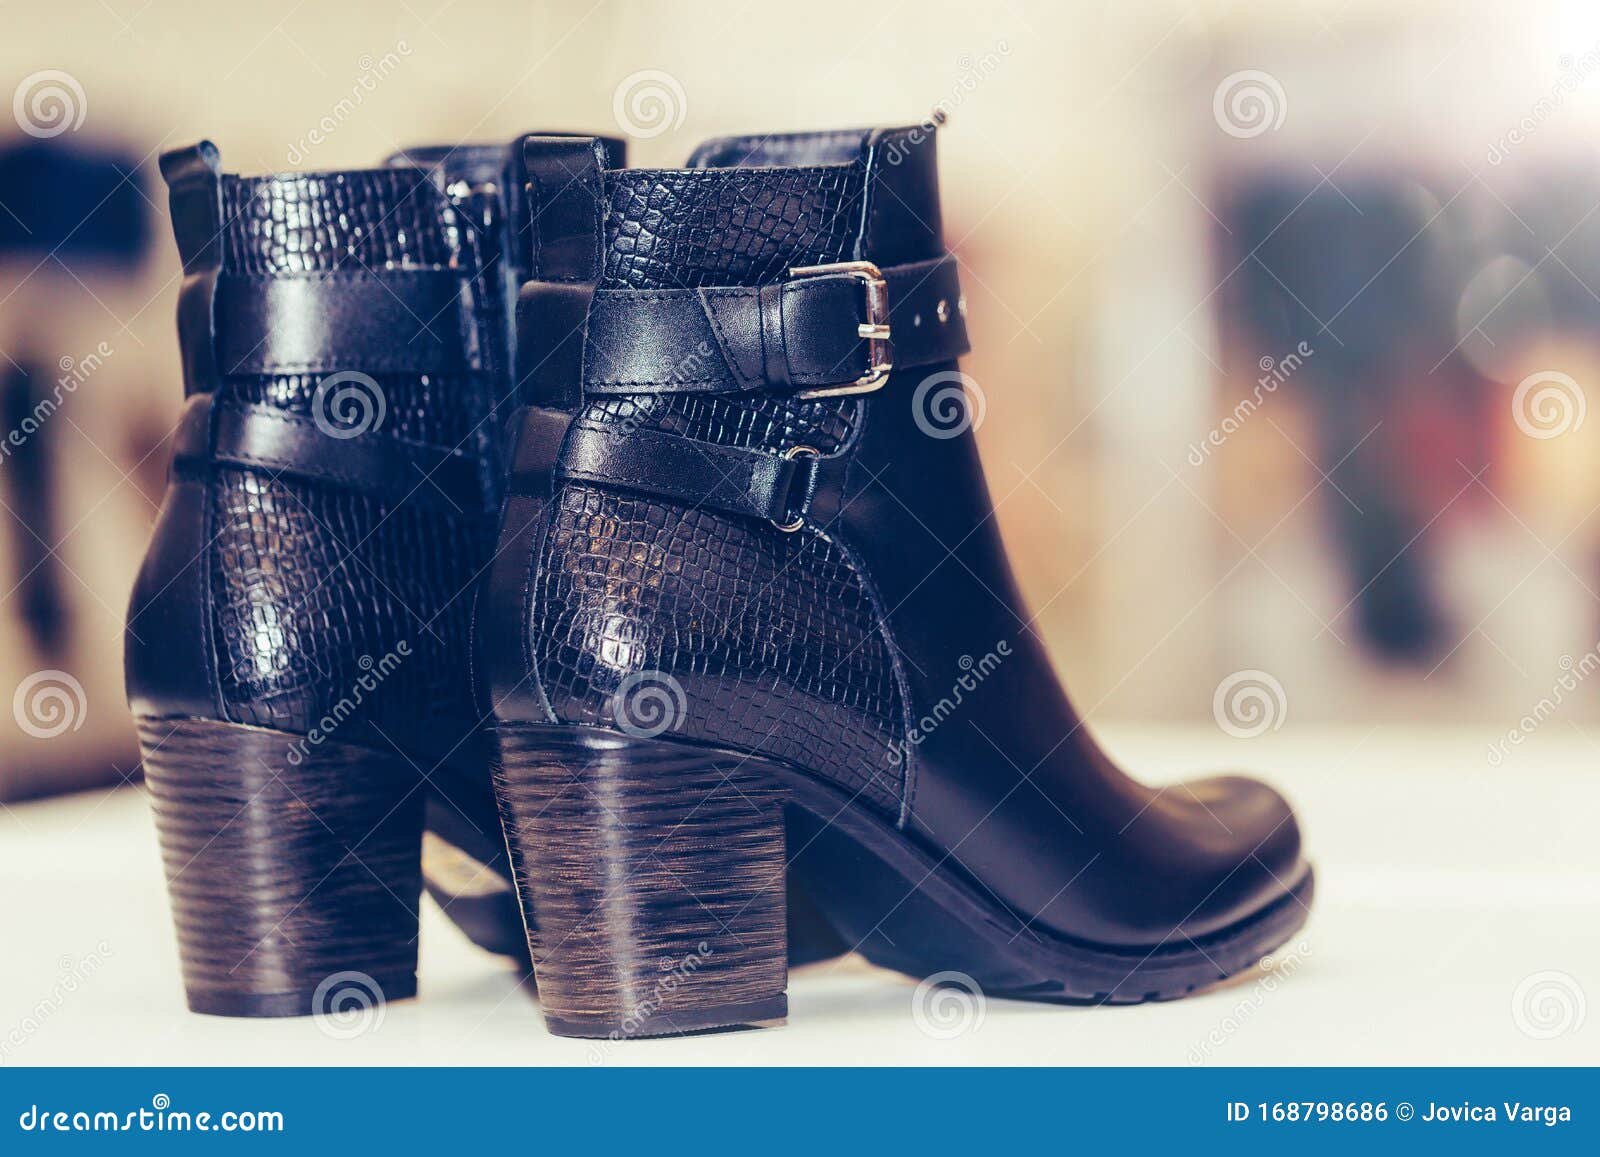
(1079, 169)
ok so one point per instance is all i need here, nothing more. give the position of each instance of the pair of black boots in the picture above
(639, 505)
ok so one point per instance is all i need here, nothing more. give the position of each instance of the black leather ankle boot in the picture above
(297, 648)
(749, 580)
(297, 645)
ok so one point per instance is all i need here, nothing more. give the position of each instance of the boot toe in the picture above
(1250, 835)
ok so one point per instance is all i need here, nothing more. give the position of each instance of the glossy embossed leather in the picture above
(314, 584)
(310, 585)
(367, 219)
(772, 636)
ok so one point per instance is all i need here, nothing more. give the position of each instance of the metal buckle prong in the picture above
(875, 330)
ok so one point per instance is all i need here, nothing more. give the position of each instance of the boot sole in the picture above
(636, 811)
(914, 914)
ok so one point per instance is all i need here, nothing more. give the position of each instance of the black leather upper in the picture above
(616, 582)
(308, 533)
(831, 646)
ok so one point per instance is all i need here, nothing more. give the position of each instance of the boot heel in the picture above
(654, 873)
(294, 869)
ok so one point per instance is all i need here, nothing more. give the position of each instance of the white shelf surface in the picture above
(1444, 885)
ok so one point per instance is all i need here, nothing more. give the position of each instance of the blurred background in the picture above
(1285, 314)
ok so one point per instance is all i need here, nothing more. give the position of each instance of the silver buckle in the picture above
(880, 353)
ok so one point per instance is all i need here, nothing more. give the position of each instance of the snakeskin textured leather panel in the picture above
(321, 222)
(694, 227)
(771, 636)
(312, 588)
(311, 585)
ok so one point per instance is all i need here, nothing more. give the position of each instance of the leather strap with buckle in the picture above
(825, 331)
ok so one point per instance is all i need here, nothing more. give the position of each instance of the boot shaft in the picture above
(345, 340)
(771, 641)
